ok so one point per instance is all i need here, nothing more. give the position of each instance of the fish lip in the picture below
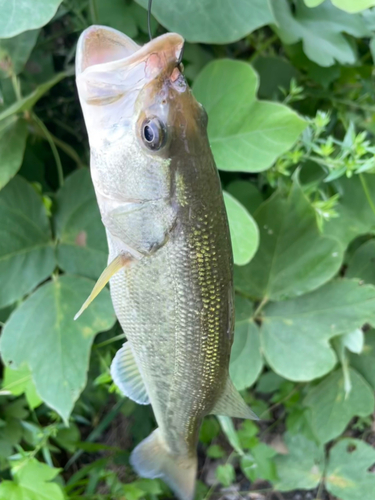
(170, 45)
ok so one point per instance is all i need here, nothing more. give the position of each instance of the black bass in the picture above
(170, 256)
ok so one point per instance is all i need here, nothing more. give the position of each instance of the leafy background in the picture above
(288, 86)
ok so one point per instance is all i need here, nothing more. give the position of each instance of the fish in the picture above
(170, 262)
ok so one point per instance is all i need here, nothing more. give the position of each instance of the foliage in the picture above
(289, 91)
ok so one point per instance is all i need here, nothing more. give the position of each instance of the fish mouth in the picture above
(103, 49)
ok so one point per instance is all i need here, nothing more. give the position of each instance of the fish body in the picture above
(161, 202)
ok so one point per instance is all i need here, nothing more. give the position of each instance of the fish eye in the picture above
(153, 133)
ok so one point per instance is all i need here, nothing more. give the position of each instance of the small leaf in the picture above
(246, 360)
(225, 474)
(23, 15)
(302, 467)
(348, 5)
(362, 263)
(31, 482)
(293, 256)
(365, 362)
(26, 251)
(321, 30)
(348, 476)
(19, 382)
(245, 134)
(13, 135)
(14, 52)
(227, 427)
(295, 334)
(198, 21)
(354, 340)
(355, 216)
(243, 231)
(61, 347)
(82, 245)
(261, 464)
(331, 409)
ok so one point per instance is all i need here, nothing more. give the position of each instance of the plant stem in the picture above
(93, 12)
(260, 307)
(263, 47)
(16, 87)
(55, 153)
(367, 192)
(109, 341)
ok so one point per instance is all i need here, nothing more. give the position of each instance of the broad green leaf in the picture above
(118, 15)
(23, 15)
(295, 334)
(321, 30)
(348, 5)
(14, 52)
(355, 216)
(293, 257)
(348, 476)
(60, 349)
(362, 263)
(27, 103)
(246, 360)
(31, 482)
(260, 464)
(245, 134)
(302, 467)
(243, 231)
(331, 408)
(246, 193)
(13, 135)
(365, 362)
(19, 382)
(26, 249)
(82, 247)
(354, 341)
(208, 21)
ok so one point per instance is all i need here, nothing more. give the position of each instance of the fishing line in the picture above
(149, 19)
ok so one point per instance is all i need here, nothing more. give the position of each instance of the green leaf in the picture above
(348, 476)
(23, 15)
(26, 252)
(82, 247)
(31, 482)
(331, 409)
(321, 30)
(246, 360)
(260, 464)
(225, 474)
(60, 346)
(365, 362)
(348, 5)
(19, 382)
(361, 265)
(293, 257)
(13, 135)
(118, 15)
(207, 22)
(245, 134)
(355, 216)
(243, 231)
(14, 52)
(246, 193)
(295, 334)
(354, 341)
(227, 427)
(302, 467)
(27, 103)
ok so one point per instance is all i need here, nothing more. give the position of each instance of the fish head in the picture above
(139, 112)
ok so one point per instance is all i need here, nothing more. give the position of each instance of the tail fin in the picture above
(151, 459)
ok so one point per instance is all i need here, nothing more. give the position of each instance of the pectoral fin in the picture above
(126, 375)
(106, 275)
(231, 404)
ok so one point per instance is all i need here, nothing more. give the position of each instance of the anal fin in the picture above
(126, 375)
(231, 404)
